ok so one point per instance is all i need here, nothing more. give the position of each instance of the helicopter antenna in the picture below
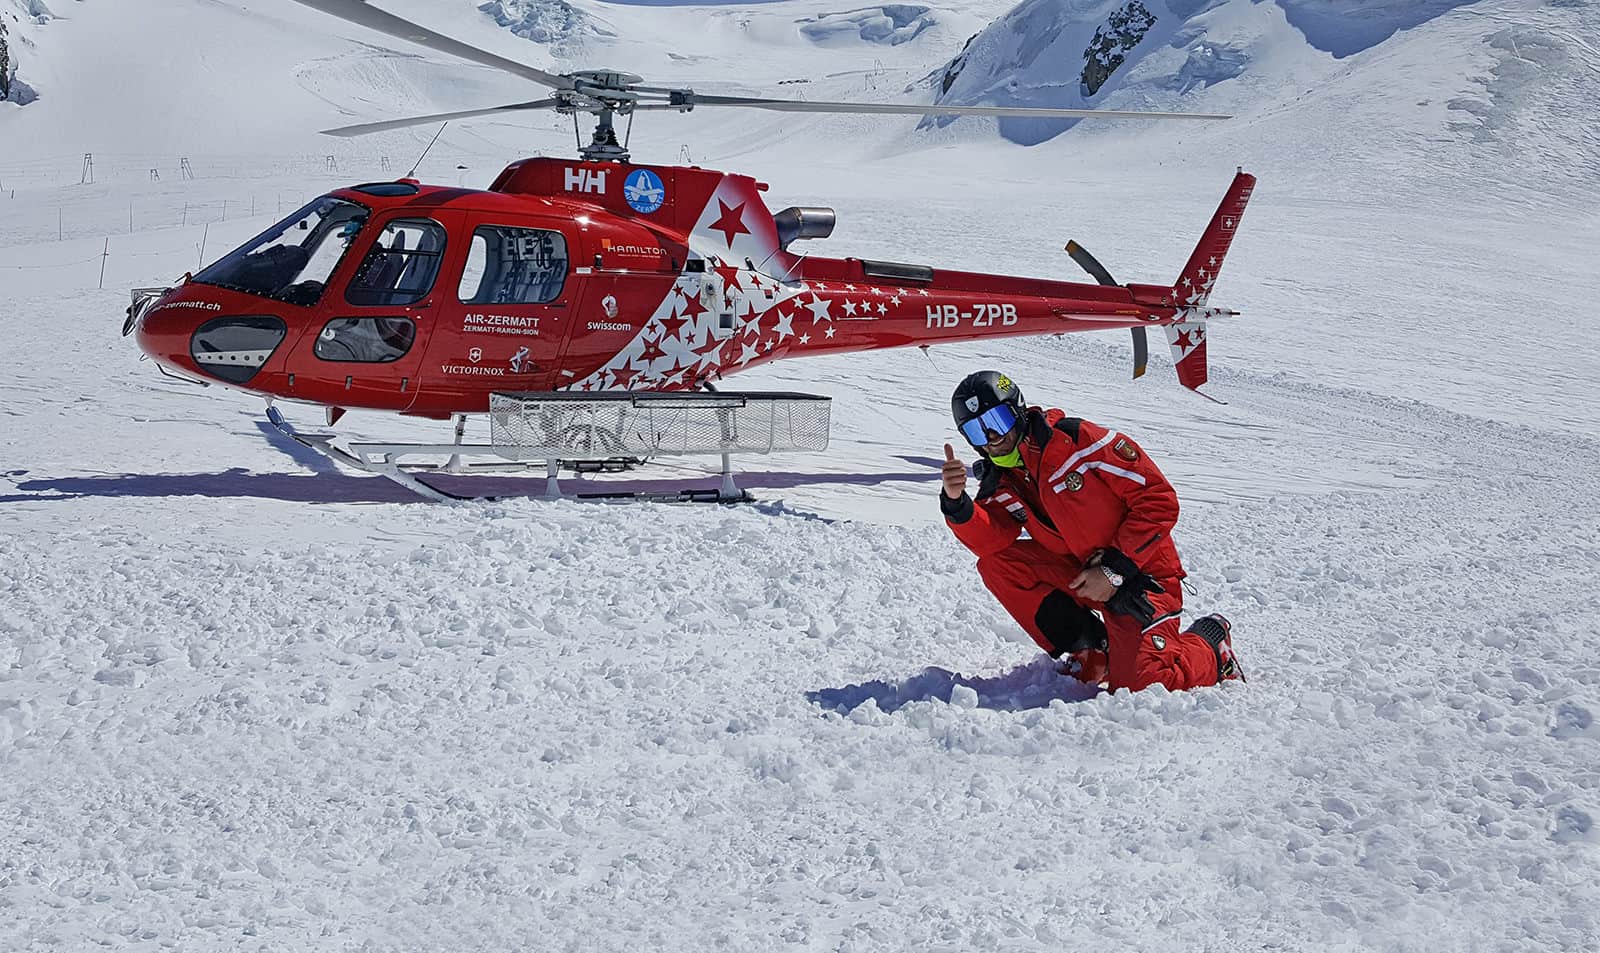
(413, 173)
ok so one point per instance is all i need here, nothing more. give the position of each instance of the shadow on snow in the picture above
(1033, 685)
(331, 486)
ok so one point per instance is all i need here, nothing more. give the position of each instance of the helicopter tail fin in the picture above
(1188, 340)
(1193, 286)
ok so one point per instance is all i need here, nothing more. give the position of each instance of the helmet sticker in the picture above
(972, 403)
(1003, 384)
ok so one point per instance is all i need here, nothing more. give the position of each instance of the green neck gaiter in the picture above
(1012, 459)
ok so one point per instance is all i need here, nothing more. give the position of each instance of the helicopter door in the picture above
(368, 350)
(632, 279)
(503, 321)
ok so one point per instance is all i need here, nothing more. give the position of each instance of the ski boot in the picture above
(1218, 633)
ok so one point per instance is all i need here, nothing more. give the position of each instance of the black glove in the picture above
(1130, 598)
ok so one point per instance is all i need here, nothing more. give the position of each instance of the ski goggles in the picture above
(993, 423)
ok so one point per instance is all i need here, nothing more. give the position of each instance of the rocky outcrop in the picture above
(1121, 32)
(953, 70)
(5, 65)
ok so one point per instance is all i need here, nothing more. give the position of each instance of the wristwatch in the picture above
(1112, 576)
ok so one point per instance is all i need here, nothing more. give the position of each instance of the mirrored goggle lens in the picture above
(994, 422)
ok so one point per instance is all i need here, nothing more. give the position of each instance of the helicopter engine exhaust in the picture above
(800, 221)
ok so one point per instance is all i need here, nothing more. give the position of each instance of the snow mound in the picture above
(890, 24)
(1346, 27)
(1209, 64)
(553, 23)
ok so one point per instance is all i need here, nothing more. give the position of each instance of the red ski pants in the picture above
(1024, 573)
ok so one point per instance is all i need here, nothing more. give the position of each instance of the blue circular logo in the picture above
(644, 191)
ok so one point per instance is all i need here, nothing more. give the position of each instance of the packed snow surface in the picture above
(249, 701)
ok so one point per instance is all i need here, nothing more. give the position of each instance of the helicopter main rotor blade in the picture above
(362, 13)
(370, 127)
(908, 109)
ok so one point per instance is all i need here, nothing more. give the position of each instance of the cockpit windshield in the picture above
(292, 260)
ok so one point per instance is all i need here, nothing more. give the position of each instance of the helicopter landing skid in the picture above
(384, 459)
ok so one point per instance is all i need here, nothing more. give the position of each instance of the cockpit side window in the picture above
(514, 266)
(291, 261)
(366, 340)
(401, 265)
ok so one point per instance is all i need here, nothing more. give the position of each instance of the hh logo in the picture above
(586, 180)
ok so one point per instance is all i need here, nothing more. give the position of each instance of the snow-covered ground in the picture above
(250, 702)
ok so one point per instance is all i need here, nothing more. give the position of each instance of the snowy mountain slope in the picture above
(1412, 90)
(247, 701)
(21, 22)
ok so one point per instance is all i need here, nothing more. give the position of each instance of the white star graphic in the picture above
(875, 291)
(819, 310)
(830, 330)
(753, 326)
(923, 292)
(747, 353)
(784, 328)
(849, 307)
(895, 300)
(805, 339)
(711, 358)
(1213, 261)
(883, 308)
(819, 286)
(849, 287)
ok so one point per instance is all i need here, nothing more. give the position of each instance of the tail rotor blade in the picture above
(1089, 263)
(1097, 271)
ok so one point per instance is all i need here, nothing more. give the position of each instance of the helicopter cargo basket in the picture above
(598, 425)
(558, 427)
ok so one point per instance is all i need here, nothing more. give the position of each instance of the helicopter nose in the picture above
(231, 349)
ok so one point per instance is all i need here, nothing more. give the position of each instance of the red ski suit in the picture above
(1080, 489)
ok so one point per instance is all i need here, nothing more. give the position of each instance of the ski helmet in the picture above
(980, 393)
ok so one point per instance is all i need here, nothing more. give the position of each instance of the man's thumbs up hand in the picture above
(954, 473)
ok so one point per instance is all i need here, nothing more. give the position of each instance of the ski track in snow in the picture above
(250, 702)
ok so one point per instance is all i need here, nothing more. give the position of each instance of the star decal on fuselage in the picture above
(731, 223)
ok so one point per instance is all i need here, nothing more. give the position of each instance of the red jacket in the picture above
(1081, 488)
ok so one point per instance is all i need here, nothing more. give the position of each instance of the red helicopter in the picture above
(599, 275)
